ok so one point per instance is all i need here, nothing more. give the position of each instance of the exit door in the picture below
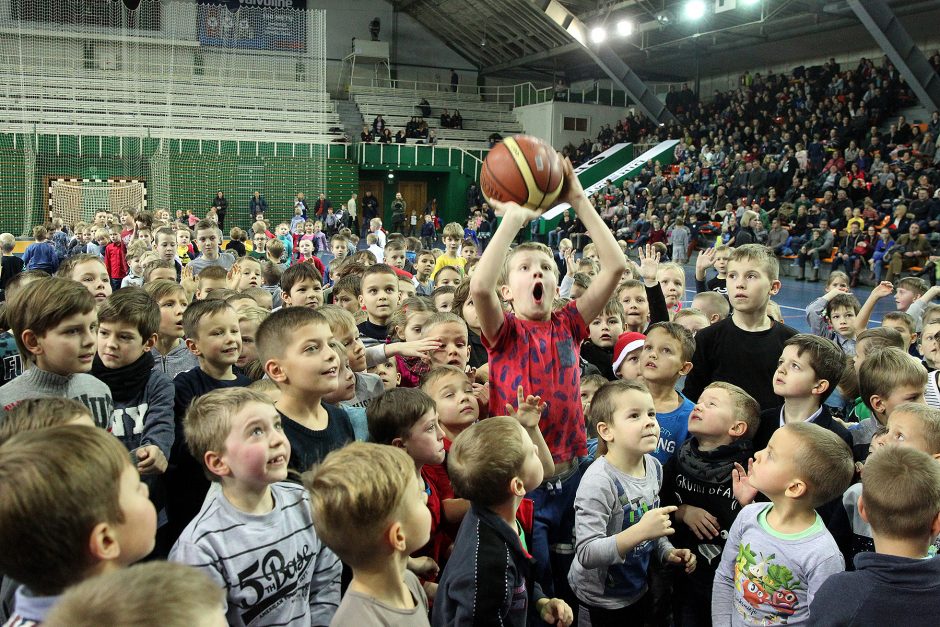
(415, 194)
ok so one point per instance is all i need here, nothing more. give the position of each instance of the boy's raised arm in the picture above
(482, 284)
(612, 260)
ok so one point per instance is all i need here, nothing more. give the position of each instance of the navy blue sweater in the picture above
(487, 580)
(883, 590)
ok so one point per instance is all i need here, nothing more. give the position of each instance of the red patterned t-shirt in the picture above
(544, 358)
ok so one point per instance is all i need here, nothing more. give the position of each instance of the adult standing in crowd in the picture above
(370, 210)
(220, 203)
(257, 205)
(398, 213)
(454, 80)
(322, 206)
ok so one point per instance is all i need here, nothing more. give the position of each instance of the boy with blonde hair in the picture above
(910, 425)
(372, 488)
(749, 336)
(156, 594)
(55, 325)
(451, 236)
(70, 516)
(779, 553)
(252, 515)
(887, 378)
(493, 464)
(521, 343)
(697, 479)
(900, 499)
(717, 257)
(244, 273)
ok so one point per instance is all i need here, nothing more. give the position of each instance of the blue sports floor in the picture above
(795, 295)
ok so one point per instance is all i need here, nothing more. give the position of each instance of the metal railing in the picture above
(398, 155)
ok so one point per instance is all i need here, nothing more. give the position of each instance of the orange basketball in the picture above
(523, 169)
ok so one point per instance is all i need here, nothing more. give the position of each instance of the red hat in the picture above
(626, 344)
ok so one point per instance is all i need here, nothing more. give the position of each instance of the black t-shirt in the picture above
(748, 359)
(309, 447)
(375, 331)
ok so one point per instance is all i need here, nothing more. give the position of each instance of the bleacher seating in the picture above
(480, 119)
(105, 104)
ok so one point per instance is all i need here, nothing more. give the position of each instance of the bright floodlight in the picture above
(624, 28)
(598, 34)
(695, 9)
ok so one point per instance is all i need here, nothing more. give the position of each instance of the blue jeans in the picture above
(553, 532)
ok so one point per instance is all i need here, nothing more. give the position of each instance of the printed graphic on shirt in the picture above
(622, 579)
(273, 580)
(129, 420)
(769, 590)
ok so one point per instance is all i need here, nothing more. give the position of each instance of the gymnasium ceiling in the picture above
(515, 39)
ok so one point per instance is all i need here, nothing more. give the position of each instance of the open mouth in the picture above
(538, 292)
(330, 373)
(277, 461)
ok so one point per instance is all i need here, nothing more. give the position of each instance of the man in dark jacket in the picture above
(257, 205)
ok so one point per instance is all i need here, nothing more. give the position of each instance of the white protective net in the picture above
(205, 92)
(80, 200)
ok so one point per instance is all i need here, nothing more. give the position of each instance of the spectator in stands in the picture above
(399, 137)
(366, 135)
(457, 120)
(220, 204)
(454, 80)
(445, 119)
(256, 205)
(378, 125)
(425, 107)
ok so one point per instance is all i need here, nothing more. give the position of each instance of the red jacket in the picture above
(115, 260)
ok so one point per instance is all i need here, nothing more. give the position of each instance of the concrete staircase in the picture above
(351, 119)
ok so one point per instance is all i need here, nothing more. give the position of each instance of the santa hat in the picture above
(626, 344)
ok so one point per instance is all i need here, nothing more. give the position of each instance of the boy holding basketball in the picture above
(520, 343)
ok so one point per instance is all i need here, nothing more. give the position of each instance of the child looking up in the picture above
(618, 521)
(521, 343)
(832, 316)
(698, 481)
(251, 512)
(808, 371)
(749, 336)
(494, 464)
(778, 554)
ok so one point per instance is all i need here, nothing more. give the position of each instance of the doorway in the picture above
(415, 195)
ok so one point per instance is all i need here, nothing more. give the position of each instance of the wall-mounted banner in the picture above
(277, 25)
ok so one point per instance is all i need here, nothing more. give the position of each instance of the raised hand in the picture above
(572, 190)
(743, 491)
(530, 409)
(511, 208)
(704, 261)
(885, 288)
(649, 263)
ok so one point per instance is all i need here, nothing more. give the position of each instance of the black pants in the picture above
(623, 617)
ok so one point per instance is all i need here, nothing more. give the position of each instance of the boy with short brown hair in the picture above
(494, 464)
(779, 553)
(70, 516)
(55, 325)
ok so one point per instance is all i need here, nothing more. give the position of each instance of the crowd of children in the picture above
(298, 430)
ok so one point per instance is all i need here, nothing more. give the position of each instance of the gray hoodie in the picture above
(178, 360)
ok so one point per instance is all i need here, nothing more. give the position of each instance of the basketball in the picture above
(525, 170)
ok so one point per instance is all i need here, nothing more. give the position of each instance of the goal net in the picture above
(79, 200)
